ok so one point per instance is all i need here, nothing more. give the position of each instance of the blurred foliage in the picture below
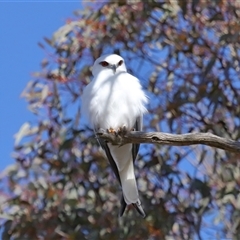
(186, 54)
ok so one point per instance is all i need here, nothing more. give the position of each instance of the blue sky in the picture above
(22, 25)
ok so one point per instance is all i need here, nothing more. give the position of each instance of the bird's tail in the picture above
(121, 161)
(139, 208)
(136, 205)
(129, 188)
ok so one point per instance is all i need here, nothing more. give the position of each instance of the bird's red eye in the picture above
(104, 63)
(120, 63)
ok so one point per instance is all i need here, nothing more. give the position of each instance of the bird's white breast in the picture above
(113, 100)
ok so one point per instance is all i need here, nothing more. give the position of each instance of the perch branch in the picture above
(208, 139)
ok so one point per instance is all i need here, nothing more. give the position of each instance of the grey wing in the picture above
(137, 127)
(113, 165)
(135, 149)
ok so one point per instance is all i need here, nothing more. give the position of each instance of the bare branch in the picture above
(208, 139)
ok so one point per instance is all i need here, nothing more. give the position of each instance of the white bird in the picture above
(112, 101)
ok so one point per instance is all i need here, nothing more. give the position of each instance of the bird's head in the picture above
(110, 62)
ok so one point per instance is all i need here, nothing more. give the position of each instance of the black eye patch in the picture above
(120, 63)
(104, 63)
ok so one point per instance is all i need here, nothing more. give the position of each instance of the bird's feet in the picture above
(111, 130)
(120, 131)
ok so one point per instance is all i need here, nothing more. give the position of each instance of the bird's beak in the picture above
(114, 68)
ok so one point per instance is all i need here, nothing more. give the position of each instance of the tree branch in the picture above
(208, 139)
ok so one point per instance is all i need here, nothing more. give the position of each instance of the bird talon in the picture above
(122, 130)
(112, 131)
